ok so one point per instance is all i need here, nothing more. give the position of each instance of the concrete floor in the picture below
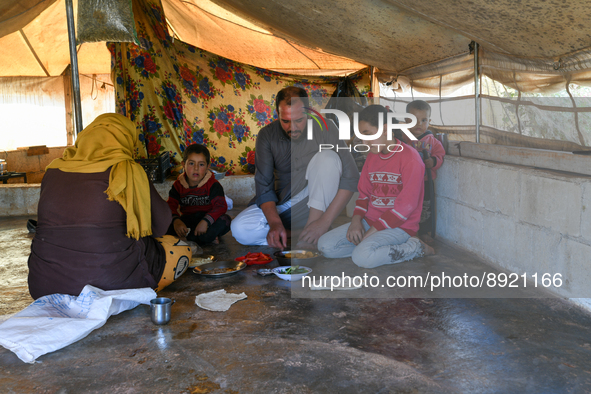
(284, 341)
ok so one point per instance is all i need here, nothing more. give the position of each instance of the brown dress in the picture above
(80, 238)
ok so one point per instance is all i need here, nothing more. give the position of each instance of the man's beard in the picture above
(296, 135)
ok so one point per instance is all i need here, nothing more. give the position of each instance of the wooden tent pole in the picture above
(74, 63)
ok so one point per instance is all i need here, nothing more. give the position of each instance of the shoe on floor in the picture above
(32, 225)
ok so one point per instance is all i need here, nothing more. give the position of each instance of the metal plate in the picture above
(280, 256)
(238, 265)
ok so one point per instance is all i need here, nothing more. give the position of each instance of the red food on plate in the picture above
(252, 258)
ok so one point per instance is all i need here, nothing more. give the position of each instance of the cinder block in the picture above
(551, 203)
(240, 188)
(12, 201)
(577, 270)
(499, 190)
(460, 224)
(446, 183)
(537, 249)
(470, 183)
(498, 238)
(445, 218)
(31, 194)
(586, 212)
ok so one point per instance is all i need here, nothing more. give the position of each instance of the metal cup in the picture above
(160, 310)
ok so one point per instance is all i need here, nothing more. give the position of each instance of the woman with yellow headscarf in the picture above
(97, 218)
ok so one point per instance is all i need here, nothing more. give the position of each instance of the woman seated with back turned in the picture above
(97, 218)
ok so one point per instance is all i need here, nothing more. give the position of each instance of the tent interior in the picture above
(508, 82)
(533, 58)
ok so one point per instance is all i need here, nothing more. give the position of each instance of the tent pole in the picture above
(476, 93)
(74, 64)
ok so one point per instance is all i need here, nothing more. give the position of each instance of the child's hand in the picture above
(180, 228)
(201, 227)
(355, 232)
(372, 230)
(429, 163)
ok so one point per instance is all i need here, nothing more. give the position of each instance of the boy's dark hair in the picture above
(288, 93)
(370, 114)
(196, 148)
(420, 105)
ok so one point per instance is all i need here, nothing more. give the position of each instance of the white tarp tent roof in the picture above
(410, 37)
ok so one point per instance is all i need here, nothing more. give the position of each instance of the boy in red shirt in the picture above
(387, 213)
(432, 153)
(201, 200)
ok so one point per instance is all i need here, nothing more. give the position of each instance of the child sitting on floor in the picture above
(201, 200)
(387, 213)
(432, 153)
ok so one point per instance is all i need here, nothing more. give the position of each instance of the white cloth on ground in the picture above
(58, 320)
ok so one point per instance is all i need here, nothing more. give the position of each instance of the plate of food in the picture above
(291, 257)
(219, 269)
(291, 273)
(201, 259)
(252, 258)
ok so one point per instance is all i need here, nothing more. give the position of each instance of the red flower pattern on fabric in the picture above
(250, 157)
(259, 105)
(219, 126)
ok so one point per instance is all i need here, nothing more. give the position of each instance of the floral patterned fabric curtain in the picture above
(178, 95)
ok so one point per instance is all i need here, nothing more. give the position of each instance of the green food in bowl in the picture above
(294, 270)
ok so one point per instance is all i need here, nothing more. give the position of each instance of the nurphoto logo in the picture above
(345, 129)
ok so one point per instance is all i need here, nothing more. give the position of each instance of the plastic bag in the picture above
(58, 320)
(106, 20)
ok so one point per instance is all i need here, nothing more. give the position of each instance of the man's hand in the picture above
(313, 231)
(355, 231)
(368, 233)
(277, 236)
(180, 228)
(201, 228)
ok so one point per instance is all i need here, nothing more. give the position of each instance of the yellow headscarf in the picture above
(110, 141)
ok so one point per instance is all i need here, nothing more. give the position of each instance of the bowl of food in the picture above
(291, 273)
(296, 257)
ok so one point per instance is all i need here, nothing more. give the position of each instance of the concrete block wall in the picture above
(22, 199)
(518, 218)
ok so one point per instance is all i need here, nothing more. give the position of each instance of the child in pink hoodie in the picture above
(387, 213)
(432, 153)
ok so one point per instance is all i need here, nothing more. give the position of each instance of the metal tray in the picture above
(280, 256)
(239, 265)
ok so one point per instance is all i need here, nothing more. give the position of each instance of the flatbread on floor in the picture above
(218, 301)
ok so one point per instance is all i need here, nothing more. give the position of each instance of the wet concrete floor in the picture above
(303, 341)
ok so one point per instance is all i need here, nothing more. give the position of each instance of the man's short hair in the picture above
(286, 94)
(420, 105)
(196, 148)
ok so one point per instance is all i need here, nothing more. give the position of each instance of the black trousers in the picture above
(426, 226)
(217, 229)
